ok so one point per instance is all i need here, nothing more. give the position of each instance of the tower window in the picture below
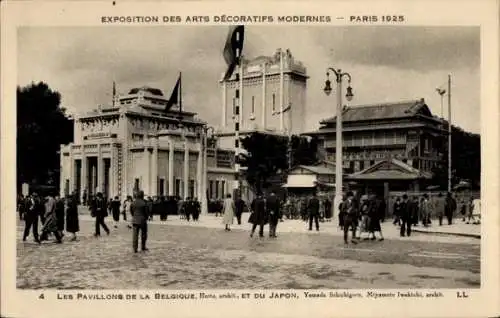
(274, 102)
(253, 104)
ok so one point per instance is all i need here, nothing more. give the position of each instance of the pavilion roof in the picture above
(402, 109)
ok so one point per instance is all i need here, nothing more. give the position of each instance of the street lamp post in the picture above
(204, 202)
(338, 130)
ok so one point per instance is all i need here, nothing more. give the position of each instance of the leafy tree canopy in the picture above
(466, 159)
(42, 126)
(267, 156)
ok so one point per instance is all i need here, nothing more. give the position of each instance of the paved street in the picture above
(189, 256)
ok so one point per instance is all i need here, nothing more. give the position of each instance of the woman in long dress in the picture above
(72, 222)
(228, 211)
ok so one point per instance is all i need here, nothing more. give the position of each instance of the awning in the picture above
(300, 181)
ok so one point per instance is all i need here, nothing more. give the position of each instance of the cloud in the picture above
(387, 63)
(418, 48)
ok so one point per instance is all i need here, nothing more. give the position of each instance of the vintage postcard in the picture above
(243, 159)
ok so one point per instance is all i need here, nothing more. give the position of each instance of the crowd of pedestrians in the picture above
(362, 216)
(411, 211)
(54, 214)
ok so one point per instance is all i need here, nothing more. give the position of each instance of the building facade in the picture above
(404, 135)
(138, 144)
(274, 98)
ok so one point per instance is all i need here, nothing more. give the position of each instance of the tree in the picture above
(42, 126)
(466, 156)
(466, 159)
(304, 151)
(267, 156)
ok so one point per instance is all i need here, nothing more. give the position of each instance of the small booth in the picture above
(303, 180)
(306, 179)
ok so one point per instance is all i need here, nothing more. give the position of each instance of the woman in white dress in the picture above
(228, 211)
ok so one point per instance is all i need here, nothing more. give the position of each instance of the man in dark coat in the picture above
(259, 215)
(164, 208)
(33, 211)
(350, 211)
(140, 215)
(313, 210)
(240, 206)
(407, 210)
(196, 209)
(342, 212)
(150, 204)
(273, 210)
(60, 214)
(84, 197)
(328, 209)
(186, 208)
(115, 210)
(450, 207)
(397, 211)
(99, 211)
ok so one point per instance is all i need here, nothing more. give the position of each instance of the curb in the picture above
(477, 236)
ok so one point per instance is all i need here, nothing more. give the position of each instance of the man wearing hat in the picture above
(34, 207)
(406, 216)
(313, 209)
(100, 212)
(259, 216)
(351, 216)
(140, 216)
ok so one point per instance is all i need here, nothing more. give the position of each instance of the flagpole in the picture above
(113, 101)
(180, 94)
(239, 98)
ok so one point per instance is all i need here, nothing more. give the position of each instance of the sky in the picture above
(387, 64)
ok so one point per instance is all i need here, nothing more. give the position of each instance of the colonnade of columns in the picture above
(93, 168)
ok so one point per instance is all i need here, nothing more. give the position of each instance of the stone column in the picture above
(113, 173)
(171, 151)
(186, 169)
(100, 171)
(147, 168)
(199, 174)
(72, 176)
(83, 175)
(154, 170)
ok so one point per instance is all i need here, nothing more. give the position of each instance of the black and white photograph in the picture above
(203, 159)
(208, 157)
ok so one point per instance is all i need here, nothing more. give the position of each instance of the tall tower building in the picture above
(274, 98)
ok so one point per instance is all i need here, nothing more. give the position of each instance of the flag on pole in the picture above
(233, 48)
(175, 98)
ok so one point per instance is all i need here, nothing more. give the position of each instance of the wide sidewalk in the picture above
(456, 233)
